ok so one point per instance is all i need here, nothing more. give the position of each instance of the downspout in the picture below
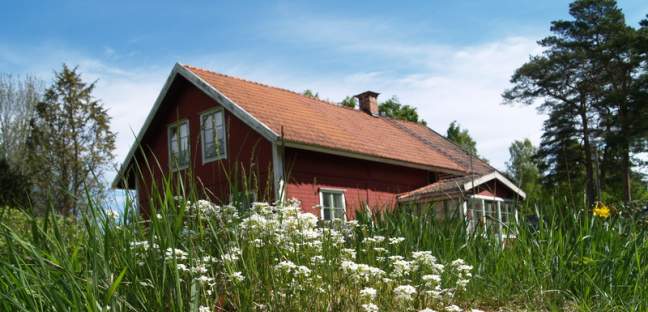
(278, 168)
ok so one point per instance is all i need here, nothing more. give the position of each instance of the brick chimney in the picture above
(368, 102)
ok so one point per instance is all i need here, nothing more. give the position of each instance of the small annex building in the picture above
(334, 159)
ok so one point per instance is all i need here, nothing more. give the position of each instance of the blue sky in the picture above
(450, 59)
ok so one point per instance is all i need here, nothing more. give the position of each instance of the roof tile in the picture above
(316, 122)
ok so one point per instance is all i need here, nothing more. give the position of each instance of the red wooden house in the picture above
(333, 159)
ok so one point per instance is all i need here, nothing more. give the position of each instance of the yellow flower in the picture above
(601, 210)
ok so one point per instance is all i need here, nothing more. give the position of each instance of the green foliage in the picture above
(350, 102)
(523, 168)
(590, 80)
(71, 138)
(462, 138)
(311, 94)
(14, 186)
(394, 109)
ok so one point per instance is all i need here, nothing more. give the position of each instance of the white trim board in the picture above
(494, 176)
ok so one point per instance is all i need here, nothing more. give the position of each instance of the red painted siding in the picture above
(495, 188)
(247, 151)
(363, 181)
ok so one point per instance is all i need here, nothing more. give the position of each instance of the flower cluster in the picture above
(305, 257)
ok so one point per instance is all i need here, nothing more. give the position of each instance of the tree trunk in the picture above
(589, 164)
(625, 157)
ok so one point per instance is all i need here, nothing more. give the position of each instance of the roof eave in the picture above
(351, 154)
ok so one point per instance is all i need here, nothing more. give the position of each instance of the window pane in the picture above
(327, 214)
(209, 136)
(339, 213)
(337, 201)
(327, 200)
(184, 130)
(218, 119)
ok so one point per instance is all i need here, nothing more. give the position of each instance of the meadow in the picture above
(195, 255)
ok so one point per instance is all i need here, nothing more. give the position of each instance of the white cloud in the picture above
(462, 83)
(127, 93)
(448, 83)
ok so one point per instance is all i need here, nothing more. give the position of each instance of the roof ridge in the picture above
(461, 148)
(272, 87)
(429, 143)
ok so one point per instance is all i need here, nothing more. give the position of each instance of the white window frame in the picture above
(333, 191)
(202, 136)
(178, 124)
(498, 200)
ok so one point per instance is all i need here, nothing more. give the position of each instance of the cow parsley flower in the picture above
(182, 267)
(237, 277)
(203, 309)
(396, 240)
(370, 307)
(205, 280)
(427, 310)
(404, 292)
(285, 266)
(179, 254)
(368, 293)
(317, 259)
(453, 308)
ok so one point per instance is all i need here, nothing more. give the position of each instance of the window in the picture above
(332, 204)
(179, 145)
(213, 135)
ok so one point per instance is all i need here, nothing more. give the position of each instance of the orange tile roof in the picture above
(315, 122)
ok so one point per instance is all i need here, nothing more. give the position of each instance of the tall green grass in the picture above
(570, 261)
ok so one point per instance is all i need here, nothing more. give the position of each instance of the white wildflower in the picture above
(404, 292)
(348, 266)
(370, 307)
(199, 269)
(424, 258)
(237, 277)
(368, 293)
(182, 267)
(427, 310)
(317, 259)
(179, 254)
(374, 240)
(285, 266)
(401, 268)
(453, 308)
(431, 279)
(203, 309)
(303, 271)
(205, 280)
(348, 253)
(396, 240)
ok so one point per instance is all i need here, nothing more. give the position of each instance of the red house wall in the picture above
(246, 149)
(363, 181)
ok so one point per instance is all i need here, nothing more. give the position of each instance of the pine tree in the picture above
(71, 142)
(570, 76)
